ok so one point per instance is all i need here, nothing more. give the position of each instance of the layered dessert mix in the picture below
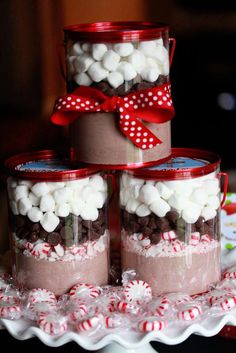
(59, 232)
(170, 232)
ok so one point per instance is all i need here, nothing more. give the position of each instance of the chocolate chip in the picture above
(162, 224)
(43, 234)
(147, 231)
(19, 221)
(54, 238)
(87, 224)
(145, 85)
(180, 223)
(36, 227)
(133, 227)
(172, 216)
(22, 233)
(66, 232)
(93, 235)
(33, 237)
(123, 89)
(68, 242)
(143, 220)
(110, 92)
(152, 222)
(84, 230)
(211, 222)
(200, 222)
(155, 238)
(161, 80)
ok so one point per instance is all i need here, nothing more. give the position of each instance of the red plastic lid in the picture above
(116, 31)
(185, 163)
(46, 165)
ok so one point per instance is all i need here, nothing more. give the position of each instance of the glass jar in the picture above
(58, 222)
(118, 60)
(170, 217)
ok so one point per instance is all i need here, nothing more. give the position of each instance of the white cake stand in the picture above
(122, 342)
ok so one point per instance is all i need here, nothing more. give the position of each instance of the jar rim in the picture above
(14, 163)
(124, 31)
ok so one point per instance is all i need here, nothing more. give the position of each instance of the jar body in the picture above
(171, 232)
(58, 231)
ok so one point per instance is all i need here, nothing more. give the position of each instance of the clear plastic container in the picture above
(170, 217)
(58, 222)
(118, 59)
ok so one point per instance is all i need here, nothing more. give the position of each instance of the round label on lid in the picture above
(45, 165)
(178, 163)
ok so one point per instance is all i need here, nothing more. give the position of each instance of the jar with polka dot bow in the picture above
(119, 102)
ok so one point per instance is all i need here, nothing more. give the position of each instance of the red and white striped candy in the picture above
(230, 273)
(9, 296)
(152, 324)
(217, 294)
(41, 250)
(112, 321)
(227, 303)
(84, 291)
(125, 307)
(89, 324)
(3, 282)
(189, 312)
(206, 238)
(78, 313)
(41, 295)
(137, 291)
(42, 307)
(176, 245)
(178, 298)
(52, 323)
(171, 235)
(194, 238)
(159, 306)
(10, 309)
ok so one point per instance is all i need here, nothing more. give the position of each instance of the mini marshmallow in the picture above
(40, 189)
(147, 47)
(77, 183)
(86, 47)
(98, 50)
(163, 190)
(137, 60)
(191, 212)
(127, 180)
(25, 182)
(150, 74)
(62, 210)
(56, 185)
(111, 60)
(148, 194)
(49, 221)
(63, 195)
(178, 201)
(12, 182)
(160, 53)
(127, 70)
(76, 49)
(151, 62)
(159, 41)
(115, 79)
(14, 207)
(82, 63)
(34, 214)
(70, 65)
(213, 201)
(34, 199)
(89, 213)
(199, 196)
(86, 192)
(124, 196)
(77, 206)
(24, 205)
(165, 67)
(160, 207)
(47, 203)
(97, 72)
(211, 186)
(142, 210)
(183, 188)
(134, 191)
(97, 183)
(123, 49)
(21, 191)
(97, 199)
(208, 213)
(132, 205)
(82, 79)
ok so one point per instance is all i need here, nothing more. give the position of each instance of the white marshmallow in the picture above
(62, 210)
(137, 60)
(132, 205)
(159, 41)
(25, 182)
(163, 190)
(191, 212)
(98, 50)
(213, 201)
(178, 201)
(86, 192)
(34, 214)
(89, 213)
(70, 65)
(14, 207)
(150, 74)
(127, 70)
(34, 199)
(86, 47)
(183, 188)
(124, 196)
(47, 203)
(123, 49)
(56, 185)
(40, 189)
(82, 79)
(11, 182)
(142, 210)
(97, 199)
(59, 250)
(165, 67)
(134, 181)
(97, 72)
(111, 60)
(211, 186)
(97, 183)
(21, 191)
(161, 54)
(199, 196)
(151, 62)
(147, 47)
(77, 184)
(24, 205)
(63, 195)
(208, 213)
(77, 206)
(160, 207)
(134, 191)
(49, 221)
(115, 79)
(148, 194)
(76, 49)
(83, 62)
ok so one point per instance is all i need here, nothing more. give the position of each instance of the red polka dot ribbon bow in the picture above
(151, 105)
